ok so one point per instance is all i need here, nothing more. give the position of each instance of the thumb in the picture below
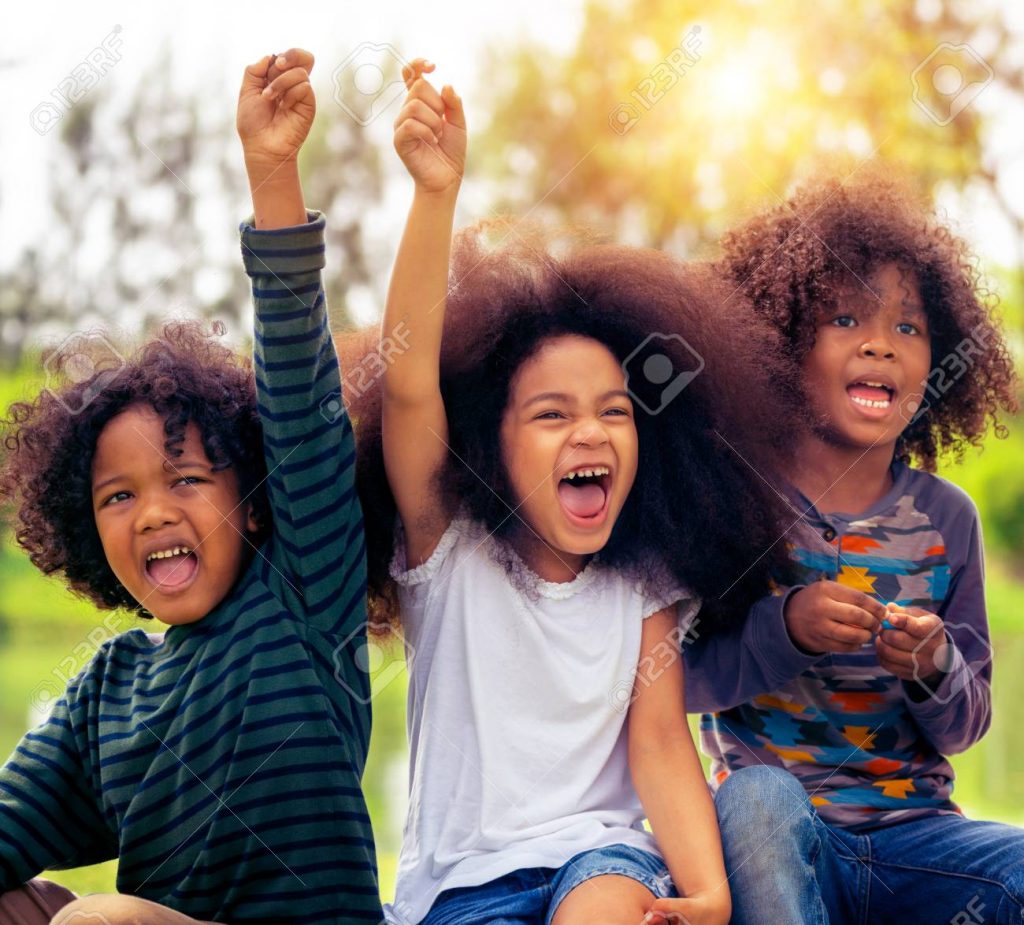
(255, 77)
(454, 114)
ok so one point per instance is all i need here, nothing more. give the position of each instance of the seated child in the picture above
(830, 716)
(221, 763)
(559, 472)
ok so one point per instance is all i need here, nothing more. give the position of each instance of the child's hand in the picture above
(430, 132)
(710, 908)
(829, 617)
(275, 111)
(910, 649)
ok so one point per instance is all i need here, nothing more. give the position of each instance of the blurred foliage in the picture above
(144, 197)
(671, 115)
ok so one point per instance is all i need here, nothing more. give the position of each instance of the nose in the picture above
(877, 346)
(589, 433)
(156, 510)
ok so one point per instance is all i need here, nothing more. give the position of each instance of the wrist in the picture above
(277, 200)
(445, 198)
(262, 169)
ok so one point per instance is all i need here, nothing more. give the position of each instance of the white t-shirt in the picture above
(516, 716)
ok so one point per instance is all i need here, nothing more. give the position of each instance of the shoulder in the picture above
(462, 540)
(942, 499)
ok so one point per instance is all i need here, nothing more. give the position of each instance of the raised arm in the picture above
(317, 553)
(430, 137)
(670, 781)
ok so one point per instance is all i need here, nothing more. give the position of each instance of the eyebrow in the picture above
(177, 465)
(570, 399)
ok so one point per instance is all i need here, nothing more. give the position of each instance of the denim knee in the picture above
(763, 806)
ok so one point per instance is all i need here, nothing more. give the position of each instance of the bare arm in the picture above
(430, 137)
(670, 781)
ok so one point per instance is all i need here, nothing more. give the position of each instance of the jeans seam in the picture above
(868, 875)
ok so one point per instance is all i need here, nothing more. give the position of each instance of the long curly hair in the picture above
(184, 375)
(799, 258)
(701, 506)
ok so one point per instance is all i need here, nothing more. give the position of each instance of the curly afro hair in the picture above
(701, 509)
(184, 375)
(796, 260)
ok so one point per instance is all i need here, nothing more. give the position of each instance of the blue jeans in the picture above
(530, 896)
(783, 860)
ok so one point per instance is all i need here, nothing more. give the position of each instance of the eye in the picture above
(192, 480)
(906, 327)
(113, 498)
(622, 412)
(844, 321)
(549, 416)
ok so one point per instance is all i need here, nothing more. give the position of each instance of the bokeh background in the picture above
(655, 122)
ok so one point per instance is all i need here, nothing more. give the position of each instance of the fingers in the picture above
(897, 639)
(454, 114)
(899, 663)
(293, 57)
(918, 627)
(289, 80)
(418, 111)
(300, 92)
(849, 595)
(854, 616)
(254, 79)
(845, 638)
(412, 131)
(412, 71)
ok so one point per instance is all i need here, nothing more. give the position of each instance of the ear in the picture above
(250, 519)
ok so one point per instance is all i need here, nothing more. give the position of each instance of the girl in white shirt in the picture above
(517, 447)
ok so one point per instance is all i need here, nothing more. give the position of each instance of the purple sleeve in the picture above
(726, 669)
(956, 714)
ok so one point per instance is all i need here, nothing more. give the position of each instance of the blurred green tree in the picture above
(671, 117)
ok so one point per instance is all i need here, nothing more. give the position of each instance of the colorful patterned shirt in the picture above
(869, 748)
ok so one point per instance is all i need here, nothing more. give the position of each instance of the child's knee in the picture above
(762, 803)
(102, 909)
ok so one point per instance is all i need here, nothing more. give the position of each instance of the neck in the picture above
(547, 563)
(837, 477)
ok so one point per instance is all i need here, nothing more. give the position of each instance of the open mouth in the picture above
(584, 494)
(172, 569)
(871, 394)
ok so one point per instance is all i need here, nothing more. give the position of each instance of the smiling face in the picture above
(868, 368)
(173, 530)
(569, 446)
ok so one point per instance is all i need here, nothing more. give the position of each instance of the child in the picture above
(220, 764)
(548, 522)
(854, 683)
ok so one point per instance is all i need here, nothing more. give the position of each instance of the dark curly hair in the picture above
(701, 506)
(797, 259)
(184, 375)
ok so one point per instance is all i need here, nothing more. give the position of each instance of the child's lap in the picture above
(532, 895)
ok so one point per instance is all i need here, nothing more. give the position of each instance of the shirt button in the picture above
(829, 534)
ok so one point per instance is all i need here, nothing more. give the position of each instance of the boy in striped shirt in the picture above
(221, 763)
